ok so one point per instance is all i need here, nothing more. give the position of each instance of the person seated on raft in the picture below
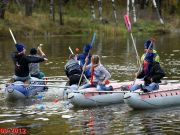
(34, 68)
(22, 61)
(151, 74)
(81, 57)
(99, 75)
(149, 48)
(73, 70)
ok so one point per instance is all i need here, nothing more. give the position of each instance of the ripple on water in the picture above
(174, 63)
(10, 115)
(29, 112)
(67, 116)
(43, 119)
(175, 50)
(7, 121)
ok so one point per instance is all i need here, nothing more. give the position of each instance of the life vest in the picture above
(146, 67)
(156, 56)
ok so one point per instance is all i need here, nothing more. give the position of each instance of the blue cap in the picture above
(149, 57)
(86, 48)
(20, 47)
(147, 44)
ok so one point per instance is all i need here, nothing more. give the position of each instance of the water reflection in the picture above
(115, 51)
(119, 119)
(42, 115)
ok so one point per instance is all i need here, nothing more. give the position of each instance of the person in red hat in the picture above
(22, 61)
(34, 68)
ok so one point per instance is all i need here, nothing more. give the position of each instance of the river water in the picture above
(45, 115)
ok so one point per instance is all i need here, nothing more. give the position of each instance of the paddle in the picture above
(71, 50)
(39, 85)
(152, 40)
(47, 77)
(40, 45)
(60, 81)
(128, 26)
(92, 42)
(12, 36)
(39, 48)
(50, 81)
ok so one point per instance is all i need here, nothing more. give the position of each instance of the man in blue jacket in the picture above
(81, 57)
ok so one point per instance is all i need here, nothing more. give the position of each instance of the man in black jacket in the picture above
(21, 62)
(151, 73)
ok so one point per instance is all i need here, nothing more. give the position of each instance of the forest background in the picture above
(77, 17)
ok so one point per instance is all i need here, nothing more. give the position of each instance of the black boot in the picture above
(142, 89)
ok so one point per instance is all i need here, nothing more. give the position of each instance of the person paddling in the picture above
(73, 70)
(99, 75)
(21, 62)
(34, 68)
(151, 74)
(149, 48)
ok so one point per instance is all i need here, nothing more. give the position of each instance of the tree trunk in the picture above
(91, 3)
(100, 9)
(66, 1)
(28, 7)
(172, 10)
(60, 12)
(2, 12)
(114, 11)
(3, 4)
(142, 4)
(18, 3)
(159, 5)
(52, 10)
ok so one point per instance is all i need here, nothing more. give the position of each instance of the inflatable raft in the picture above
(167, 95)
(18, 90)
(91, 97)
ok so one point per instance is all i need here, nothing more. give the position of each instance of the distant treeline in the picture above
(53, 7)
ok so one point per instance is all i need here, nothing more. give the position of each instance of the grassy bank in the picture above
(41, 25)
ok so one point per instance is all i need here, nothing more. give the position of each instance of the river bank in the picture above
(41, 25)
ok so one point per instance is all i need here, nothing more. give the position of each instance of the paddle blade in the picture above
(127, 23)
(70, 50)
(93, 39)
(12, 36)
